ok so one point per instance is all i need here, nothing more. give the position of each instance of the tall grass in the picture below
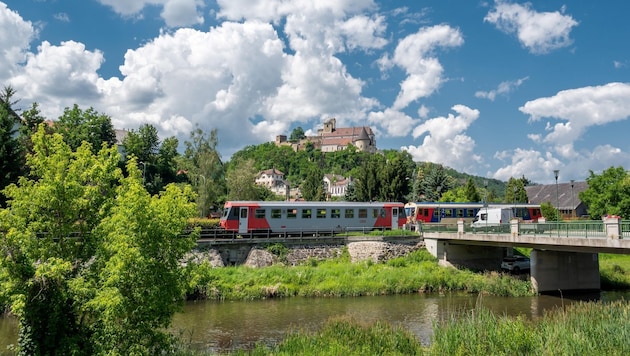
(579, 329)
(418, 272)
(345, 337)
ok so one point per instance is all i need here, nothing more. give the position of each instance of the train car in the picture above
(447, 212)
(282, 216)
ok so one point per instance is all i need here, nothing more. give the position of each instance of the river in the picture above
(225, 326)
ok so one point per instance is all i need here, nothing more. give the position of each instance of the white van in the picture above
(489, 217)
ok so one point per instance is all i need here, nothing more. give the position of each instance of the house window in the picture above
(276, 213)
(362, 213)
(349, 213)
(335, 213)
(321, 213)
(259, 214)
(306, 213)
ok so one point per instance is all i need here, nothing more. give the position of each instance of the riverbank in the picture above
(579, 329)
(415, 272)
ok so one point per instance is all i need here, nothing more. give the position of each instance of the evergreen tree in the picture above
(10, 149)
(471, 192)
(313, 187)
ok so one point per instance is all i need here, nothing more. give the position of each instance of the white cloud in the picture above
(445, 140)
(539, 32)
(580, 109)
(414, 55)
(532, 164)
(504, 88)
(59, 76)
(15, 37)
(176, 13)
(394, 122)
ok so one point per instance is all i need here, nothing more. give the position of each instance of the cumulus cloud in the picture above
(579, 109)
(15, 37)
(539, 32)
(504, 88)
(445, 140)
(414, 54)
(176, 13)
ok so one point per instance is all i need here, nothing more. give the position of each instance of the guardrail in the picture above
(574, 229)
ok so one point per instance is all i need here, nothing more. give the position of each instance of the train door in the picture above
(242, 220)
(394, 218)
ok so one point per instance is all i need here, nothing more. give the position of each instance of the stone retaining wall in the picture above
(376, 251)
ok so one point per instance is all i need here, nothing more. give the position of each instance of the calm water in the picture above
(225, 326)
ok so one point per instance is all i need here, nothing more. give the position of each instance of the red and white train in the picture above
(283, 216)
(447, 212)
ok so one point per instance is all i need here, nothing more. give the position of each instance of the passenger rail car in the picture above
(446, 212)
(282, 216)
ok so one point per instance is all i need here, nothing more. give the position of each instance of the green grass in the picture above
(579, 329)
(418, 272)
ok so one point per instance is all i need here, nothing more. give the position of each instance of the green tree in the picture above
(313, 187)
(241, 182)
(608, 193)
(77, 125)
(436, 182)
(515, 191)
(205, 169)
(549, 212)
(470, 192)
(89, 260)
(395, 176)
(297, 134)
(367, 185)
(10, 149)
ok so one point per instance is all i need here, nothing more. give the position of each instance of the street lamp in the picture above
(485, 200)
(144, 171)
(204, 200)
(572, 203)
(555, 173)
(439, 189)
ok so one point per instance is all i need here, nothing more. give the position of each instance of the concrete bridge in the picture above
(564, 256)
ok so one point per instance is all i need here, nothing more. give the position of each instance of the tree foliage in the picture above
(313, 187)
(89, 260)
(77, 125)
(297, 134)
(515, 191)
(608, 193)
(10, 149)
(549, 212)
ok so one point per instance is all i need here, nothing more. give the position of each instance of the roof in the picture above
(565, 197)
(270, 172)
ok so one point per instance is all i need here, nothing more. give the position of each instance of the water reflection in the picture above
(226, 326)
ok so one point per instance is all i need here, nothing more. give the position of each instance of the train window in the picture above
(375, 213)
(426, 212)
(382, 212)
(306, 213)
(448, 213)
(349, 213)
(276, 213)
(335, 213)
(362, 213)
(460, 213)
(259, 213)
(243, 213)
(436, 212)
(321, 213)
(291, 213)
(470, 212)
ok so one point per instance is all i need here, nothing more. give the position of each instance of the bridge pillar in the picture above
(467, 256)
(554, 271)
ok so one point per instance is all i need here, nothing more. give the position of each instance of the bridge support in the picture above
(474, 257)
(555, 271)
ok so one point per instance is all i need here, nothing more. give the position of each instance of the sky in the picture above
(497, 89)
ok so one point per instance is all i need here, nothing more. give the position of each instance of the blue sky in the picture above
(498, 89)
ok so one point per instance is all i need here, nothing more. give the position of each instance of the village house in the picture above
(336, 185)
